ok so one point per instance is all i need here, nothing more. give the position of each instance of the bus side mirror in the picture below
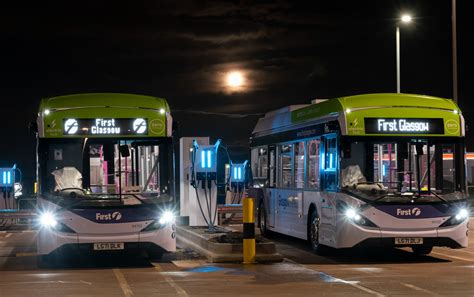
(33, 127)
(346, 149)
(124, 151)
(402, 150)
(175, 126)
(419, 149)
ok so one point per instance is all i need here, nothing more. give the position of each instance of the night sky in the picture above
(290, 52)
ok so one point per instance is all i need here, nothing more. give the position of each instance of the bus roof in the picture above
(102, 100)
(356, 113)
(104, 115)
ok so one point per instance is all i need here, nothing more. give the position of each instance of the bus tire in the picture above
(155, 254)
(313, 235)
(44, 261)
(422, 250)
(262, 220)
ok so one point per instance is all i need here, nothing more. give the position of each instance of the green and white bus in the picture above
(365, 170)
(105, 174)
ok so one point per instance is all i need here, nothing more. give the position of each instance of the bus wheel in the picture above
(262, 220)
(422, 250)
(313, 235)
(154, 254)
(45, 261)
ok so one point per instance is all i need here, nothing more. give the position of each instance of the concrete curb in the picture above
(215, 252)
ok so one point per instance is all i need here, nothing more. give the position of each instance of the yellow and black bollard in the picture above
(249, 231)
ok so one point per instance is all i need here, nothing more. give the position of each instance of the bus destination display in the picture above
(403, 126)
(105, 126)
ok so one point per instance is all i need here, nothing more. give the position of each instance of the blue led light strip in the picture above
(203, 159)
(209, 159)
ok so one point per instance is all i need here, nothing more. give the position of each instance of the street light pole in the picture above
(404, 19)
(455, 56)
(397, 37)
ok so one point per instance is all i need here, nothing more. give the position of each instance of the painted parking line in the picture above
(416, 288)
(354, 284)
(453, 257)
(127, 291)
(180, 291)
(32, 254)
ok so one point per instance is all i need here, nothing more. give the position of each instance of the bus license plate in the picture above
(108, 246)
(409, 240)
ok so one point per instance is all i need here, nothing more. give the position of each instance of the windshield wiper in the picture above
(439, 197)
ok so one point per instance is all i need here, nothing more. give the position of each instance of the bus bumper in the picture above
(351, 235)
(49, 240)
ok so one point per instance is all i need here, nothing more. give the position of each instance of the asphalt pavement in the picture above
(392, 272)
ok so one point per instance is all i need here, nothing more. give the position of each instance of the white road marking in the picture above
(8, 235)
(453, 257)
(127, 291)
(355, 284)
(419, 289)
(180, 291)
(26, 254)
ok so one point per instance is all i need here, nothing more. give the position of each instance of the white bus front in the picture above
(105, 195)
(402, 193)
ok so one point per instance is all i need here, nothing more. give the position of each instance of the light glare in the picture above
(462, 214)
(166, 218)
(47, 220)
(406, 18)
(235, 79)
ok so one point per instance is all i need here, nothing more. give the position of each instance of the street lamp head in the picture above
(406, 18)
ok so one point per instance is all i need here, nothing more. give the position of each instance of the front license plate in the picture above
(108, 246)
(409, 240)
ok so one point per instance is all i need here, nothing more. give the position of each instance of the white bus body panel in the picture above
(90, 232)
(288, 213)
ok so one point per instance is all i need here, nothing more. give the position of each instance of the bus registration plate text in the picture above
(409, 240)
(108, 246)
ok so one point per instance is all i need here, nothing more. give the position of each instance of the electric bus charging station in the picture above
(238, 181)
(7, 185)
(189, 206)
(204, 180)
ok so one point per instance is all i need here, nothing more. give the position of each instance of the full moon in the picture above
(235, 79)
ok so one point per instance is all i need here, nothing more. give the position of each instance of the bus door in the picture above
(329, 185)
(290, 189)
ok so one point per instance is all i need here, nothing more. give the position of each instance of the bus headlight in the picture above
(47, 220)
(352, 215)
(166, 217)
(462, 214)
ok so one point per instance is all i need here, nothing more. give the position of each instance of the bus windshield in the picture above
(400, 171)
(103, 169)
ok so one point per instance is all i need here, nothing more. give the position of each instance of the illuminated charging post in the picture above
(7, 181)
(238, 181)
(204, 179)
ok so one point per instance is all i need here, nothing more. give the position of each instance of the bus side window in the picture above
(329, 164)
(313, 163)
(298, 165)
(285, 168)
(272, 166)
(259, 164)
